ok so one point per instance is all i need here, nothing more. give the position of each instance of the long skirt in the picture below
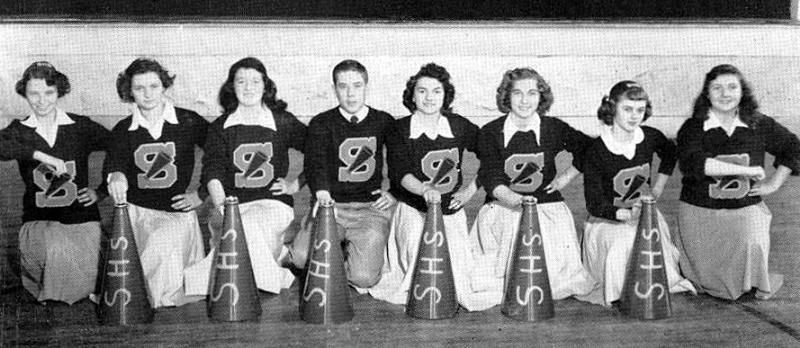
(59, 261)
(492, 238)
(725, 252)
(264, 222)
(168, 243)
(401, 257)
(607, 247)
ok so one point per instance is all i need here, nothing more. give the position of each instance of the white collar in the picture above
(49, 135)
(154, 128)
(264, 118)
(417, 129)
(713, 122)
(510, 128)
(61, 119)
(619, 148)
(361, 114)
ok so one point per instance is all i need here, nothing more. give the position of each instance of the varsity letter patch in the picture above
(157, 161)
(253, 163)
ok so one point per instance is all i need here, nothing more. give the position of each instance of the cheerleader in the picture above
(59, 240)
(617, 171)
(517, 154)
(425, 154)
(248, 157)
(723, 222)
(150, 166)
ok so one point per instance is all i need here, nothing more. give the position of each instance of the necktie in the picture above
(353, 119)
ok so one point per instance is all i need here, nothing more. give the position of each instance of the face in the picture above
(41, 97)
(629, 114)
(147, 91)
(725, 92)
(249, 87)
(351, 90)
(524, 98)
(429, 96)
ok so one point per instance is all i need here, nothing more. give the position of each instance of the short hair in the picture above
(748, 106)
(627, 89)
(227, 94)
(138, 67)
(507, 84)
(47, 72)
(350, 65)
(434, 71)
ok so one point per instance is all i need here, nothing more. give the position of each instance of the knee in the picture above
(365, 277)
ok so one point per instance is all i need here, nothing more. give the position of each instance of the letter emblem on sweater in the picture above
(56, 190)
(157, 161)
(358, 155)
(253, 164)
(525, 171)
(730, 186)
(630, 184)
(441, 166)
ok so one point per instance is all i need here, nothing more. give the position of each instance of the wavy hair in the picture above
(507, 84)
(137, 67)
(627, 89)
(748, 106)
(227, 94)
(47, 72)
(433, 71)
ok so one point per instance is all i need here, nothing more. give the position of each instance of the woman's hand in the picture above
(385, 201)
(118, 187)
(284, 187)
(187, 201)
(87, 196)
(463, 196)
(58, 165)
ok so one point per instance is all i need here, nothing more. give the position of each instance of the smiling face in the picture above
(429, 96)
(725, 93)
(629, 114)
(524, 98)
(147, 90)
(351, 90)
(249, 87)
(41, 97)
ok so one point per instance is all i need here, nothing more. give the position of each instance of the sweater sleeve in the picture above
(11, 148)
(119, 152)
(596, 203)
(667, 152)
(397, 154)
(491, 171)
(576, 143)
(216, 156)
(315, 158)
(784, 145)
(691, 155)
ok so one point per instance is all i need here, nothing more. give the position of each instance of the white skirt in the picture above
(59, 261)
(401, 257)
(168, 243)
(264, 222)
(492, 238)
(607, 247)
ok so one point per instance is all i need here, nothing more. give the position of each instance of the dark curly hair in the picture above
(137, 67)
(350, 65)
(748, 106)
(47, 72)
(507, 84)
(627, 89)
(227, 94)
(435, 72)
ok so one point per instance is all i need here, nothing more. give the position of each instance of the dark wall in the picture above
(406, 9)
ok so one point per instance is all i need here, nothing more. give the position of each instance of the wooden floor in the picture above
(696, 320)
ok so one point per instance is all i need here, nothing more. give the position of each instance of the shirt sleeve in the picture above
(784, 145)
(691, 155)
